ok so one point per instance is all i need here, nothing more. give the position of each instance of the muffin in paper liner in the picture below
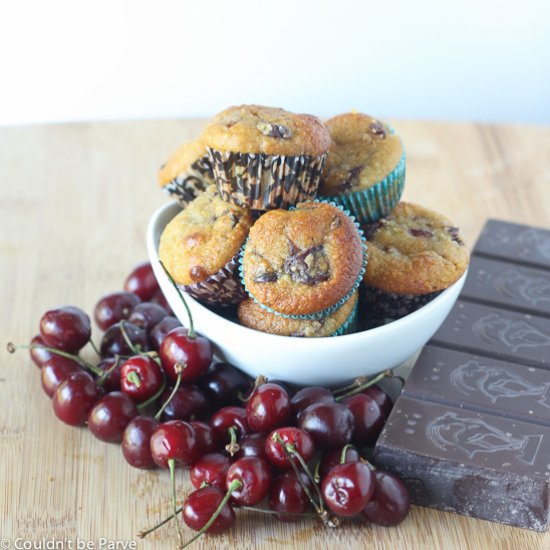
(371, 204)
(189, 184)
(265, 182)
(223, 288)
(316, 315)
(383, 307)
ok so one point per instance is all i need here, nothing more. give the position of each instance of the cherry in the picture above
(39, 355)
(180, 347)
(187, 403)
(142, 281)
(140, 378)
(66, 328)
(381, 397)
(211, 470)
(268, 408)
(254, 475)
(146, 315)
(305, 397)
(390, 502)
(110, 379)
(207, 440)
(160, 330)
(347, 488)
(334, 457)
(251, 445)
(159, 298)
(136, 440)
(113, 341)
(75, 398)
(223, 383)
(201, 505)
(300, 440)
(55, 370)
(174, 440)
(110, 416)
(287, 496)
(369, 418)
(329, 424)
(114, 307)
(230, 424)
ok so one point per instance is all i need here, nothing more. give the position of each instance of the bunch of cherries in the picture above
(155, 391)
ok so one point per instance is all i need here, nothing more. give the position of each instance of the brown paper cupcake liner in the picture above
(187, 186)
(224, 288)
(265, 182)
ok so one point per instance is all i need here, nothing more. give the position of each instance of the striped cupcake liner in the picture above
(369, 205)
(224, 288)
(383, 306)
(266, 182)
(187, 186)
(316, 315)
(349, 326)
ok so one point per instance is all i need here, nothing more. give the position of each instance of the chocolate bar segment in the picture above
(497, 332)
(469, 462)
(482, 384)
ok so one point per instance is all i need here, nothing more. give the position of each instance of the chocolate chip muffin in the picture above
(342, 321)
(303, 263)
(264, 157)
(187, 173)
(365, 168)
(200, 248)
(414, 254)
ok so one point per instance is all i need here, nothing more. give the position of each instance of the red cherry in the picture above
(147, 314)
(75, 398)
(188, 403)
(299, 439)
(251, 445)
(369, 419)
(142, 281)
(136, 442)
(305, 397)
(229, 417)
(381, 397)
(159, 298)
(113, 341)
(201, 505)
(211, 470)
(66, 328)
(347, 488)
(268, 408)
(39, 355)
(287, 496)
(207, 440)
(160, 330)
(390, 502)
(110, 379)
(110, 416)
(140, 378)
(174, 440)
(55, 370)
(114, 307)
(223, 383)
(255, 476)
(330, 424)
(334, 457)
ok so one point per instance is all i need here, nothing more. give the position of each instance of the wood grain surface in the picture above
(75, 200)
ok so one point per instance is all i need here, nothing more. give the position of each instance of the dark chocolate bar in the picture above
(471, 431)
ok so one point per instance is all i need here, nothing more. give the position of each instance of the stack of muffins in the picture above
(276, 207)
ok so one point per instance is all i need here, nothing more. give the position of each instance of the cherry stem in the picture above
(11, 347)
(145, 532)
(364, 386)
(275, 513)
(133, 377)
(172, 466)
(191, 332)
(235, 484)
(344, 451)
(144, 404)
(136, 349)
(316, 474)
(94, 347)
(357, 382)
(233, 446)
(104, 375)
(179, 369)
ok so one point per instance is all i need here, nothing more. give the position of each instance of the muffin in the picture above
(187, 173)
(365, 168)
(342, 321)
(266, 158)
(200, 248)
(414, 254)
(303, 263)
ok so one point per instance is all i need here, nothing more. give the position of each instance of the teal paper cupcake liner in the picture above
(316, 315)
(369, 205)
(350, 324)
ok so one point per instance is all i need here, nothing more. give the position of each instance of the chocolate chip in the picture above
(376, 129)
(309, 266)
(234, 220)
(370, 229)
(351, 178)
(198, 273)
(266, 277)
(453, 232)
(420, 233)
(274, 130)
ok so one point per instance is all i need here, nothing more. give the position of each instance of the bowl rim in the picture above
(415, 316)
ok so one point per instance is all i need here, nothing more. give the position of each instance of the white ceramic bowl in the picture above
(324, 361)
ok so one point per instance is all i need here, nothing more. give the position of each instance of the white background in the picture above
(480, 60)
